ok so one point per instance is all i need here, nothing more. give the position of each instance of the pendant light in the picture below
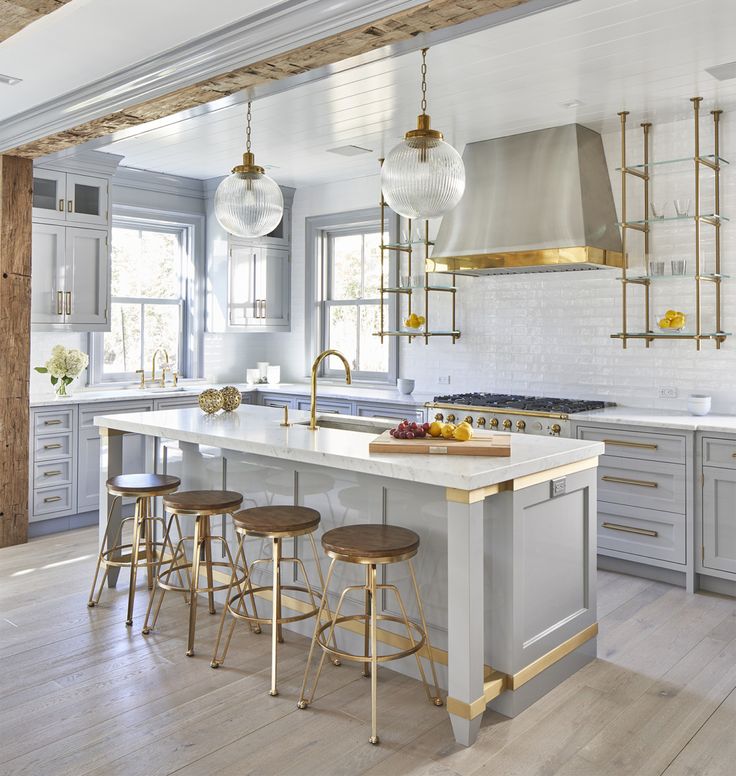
(248, 203)
(423, 177)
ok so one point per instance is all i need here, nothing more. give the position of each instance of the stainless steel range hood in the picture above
(533, 202)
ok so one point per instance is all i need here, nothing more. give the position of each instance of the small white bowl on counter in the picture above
(697, 404)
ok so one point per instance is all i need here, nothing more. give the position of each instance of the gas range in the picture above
(509, 412)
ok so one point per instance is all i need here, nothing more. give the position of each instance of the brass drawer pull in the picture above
(54, 473)
(733, 455)
(61, 205)
(50, 499)
(55, 446)
(68, 302)
(626, 443)
(52, 422)
(59, 303)
(630, 529)
(627, 481)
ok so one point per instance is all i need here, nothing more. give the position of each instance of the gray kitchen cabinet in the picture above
(396, 412)
(719, 519)
(326, 404)
(70, 197)
(277, 400)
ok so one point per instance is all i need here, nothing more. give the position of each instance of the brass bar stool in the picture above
(276, 523)
(202, 505)
(114, 552)
(371, 545)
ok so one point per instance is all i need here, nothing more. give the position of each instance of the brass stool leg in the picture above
(334, 660)
(207, 539)
(175, 554)
(366, 625)
(138, 526)
(94, 600)
(276, 614)
(436, 700)
(147, 529)
(374, 659)
(196, 553)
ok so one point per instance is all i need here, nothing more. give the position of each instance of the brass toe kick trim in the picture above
(466, 710)
(540, 664)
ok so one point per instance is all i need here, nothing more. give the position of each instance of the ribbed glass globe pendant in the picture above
(423, 177)
(248, 203)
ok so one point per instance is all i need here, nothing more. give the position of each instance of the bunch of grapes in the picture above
(413, 430)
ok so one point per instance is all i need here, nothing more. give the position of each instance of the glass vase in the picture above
(61, 390)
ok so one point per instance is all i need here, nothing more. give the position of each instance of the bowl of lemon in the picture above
(414, 322)
(672, 322)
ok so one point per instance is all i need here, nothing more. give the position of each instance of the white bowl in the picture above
(405, 385)
(698, 404)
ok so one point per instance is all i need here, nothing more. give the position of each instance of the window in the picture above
(352, 305)
(148, 300)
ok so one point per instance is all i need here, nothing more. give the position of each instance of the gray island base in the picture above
(506, 565)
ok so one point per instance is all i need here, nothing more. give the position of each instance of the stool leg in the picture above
(149, 542)
(94, 600)
(207, 538)
(138, 524)
(374, 659)
(366, 625)
(215, 662)
(334, 660)
(196, 553)
(436, 700)
(275, 614)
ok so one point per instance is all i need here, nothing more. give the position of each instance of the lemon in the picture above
(678, 321)
(435, 429)
(463, 432)
(448, 430)
(670, 314)
(664, 323)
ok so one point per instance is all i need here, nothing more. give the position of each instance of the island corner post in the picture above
(16, 202)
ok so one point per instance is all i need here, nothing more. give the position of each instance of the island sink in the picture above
(342, 423)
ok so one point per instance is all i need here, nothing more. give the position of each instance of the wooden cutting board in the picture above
(482, 443)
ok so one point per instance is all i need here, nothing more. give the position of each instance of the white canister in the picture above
(252, 375)
(262, 369)
(273, 374)
(405, 385)
(697, 404)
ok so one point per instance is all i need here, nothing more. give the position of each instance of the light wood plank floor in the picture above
(82, 694)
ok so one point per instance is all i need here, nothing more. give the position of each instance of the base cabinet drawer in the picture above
(719, 452)
(53, 421)
(54, 473)
(333, 406)
(46, 448)
(647, 533)
(396, 412)
(49, 501)
(277, 400)
(643, 445)
(649, 485)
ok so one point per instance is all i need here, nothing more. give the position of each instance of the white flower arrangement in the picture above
(64, 365)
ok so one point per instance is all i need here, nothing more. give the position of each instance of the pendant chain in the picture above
(424, 81)
(247, 130)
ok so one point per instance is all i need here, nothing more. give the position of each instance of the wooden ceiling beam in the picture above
(17, 14)
(430, 16)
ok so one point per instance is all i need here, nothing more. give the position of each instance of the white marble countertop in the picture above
(683, 421)
(195, 387)
(257, 430)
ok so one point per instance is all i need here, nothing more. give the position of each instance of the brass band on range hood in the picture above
(496, 410)
(583, 257)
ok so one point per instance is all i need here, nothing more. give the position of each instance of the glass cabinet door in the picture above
(87, 199)
(49, 195)
(242, 308)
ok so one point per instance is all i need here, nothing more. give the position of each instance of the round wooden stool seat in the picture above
(370, 543)
(277, 521)
(142, 484)
(203, 502)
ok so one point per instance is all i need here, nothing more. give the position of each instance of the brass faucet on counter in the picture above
(315, 366)
(163, 370)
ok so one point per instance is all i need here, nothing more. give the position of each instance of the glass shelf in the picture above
(660, 278)
(704, 216)
(691, 335)
(409, 289)
(404, 333)
(707, 157)
(404, 246)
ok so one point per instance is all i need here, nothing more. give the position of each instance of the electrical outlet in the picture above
(443, 379)
(668, 393)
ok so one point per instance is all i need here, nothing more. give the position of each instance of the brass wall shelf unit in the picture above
(404, 294)
(643, 172)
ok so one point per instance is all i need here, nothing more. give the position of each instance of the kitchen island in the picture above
(507, 558)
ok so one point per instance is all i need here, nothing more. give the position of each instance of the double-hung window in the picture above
(149, 275)
(351, 301)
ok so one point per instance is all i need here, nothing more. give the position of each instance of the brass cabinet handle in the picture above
(733, 455)
(70, 206)
(59, 303)
(627, 481)
(54, 473)
(68, 302)
(61, 205)
(55, 446)
(56, 422)
(626, 443)
(263, 308)
(49, 499)
(630, 529)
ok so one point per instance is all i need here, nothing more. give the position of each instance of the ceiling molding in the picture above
(298, 40)
(17, 14)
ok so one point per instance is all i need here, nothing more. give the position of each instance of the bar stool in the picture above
(144, 488)
(202, 505)
(275, 523)
(371, 545)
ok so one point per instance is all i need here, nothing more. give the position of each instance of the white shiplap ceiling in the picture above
(646, 56)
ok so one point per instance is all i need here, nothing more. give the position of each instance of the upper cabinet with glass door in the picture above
(73, 198)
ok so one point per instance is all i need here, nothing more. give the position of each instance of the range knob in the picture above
(520, 425)
(556, 428)
(469, 419)
(481, 422)
(439, 416)
(507, 424)
(494, 422)
(450, 418)
(537, 426)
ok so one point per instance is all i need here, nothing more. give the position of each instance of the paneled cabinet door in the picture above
(719, 519)
(87, 199)
(272, 287)
(49, 195)
(85, 292)
(242, 286)
(48, 261)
